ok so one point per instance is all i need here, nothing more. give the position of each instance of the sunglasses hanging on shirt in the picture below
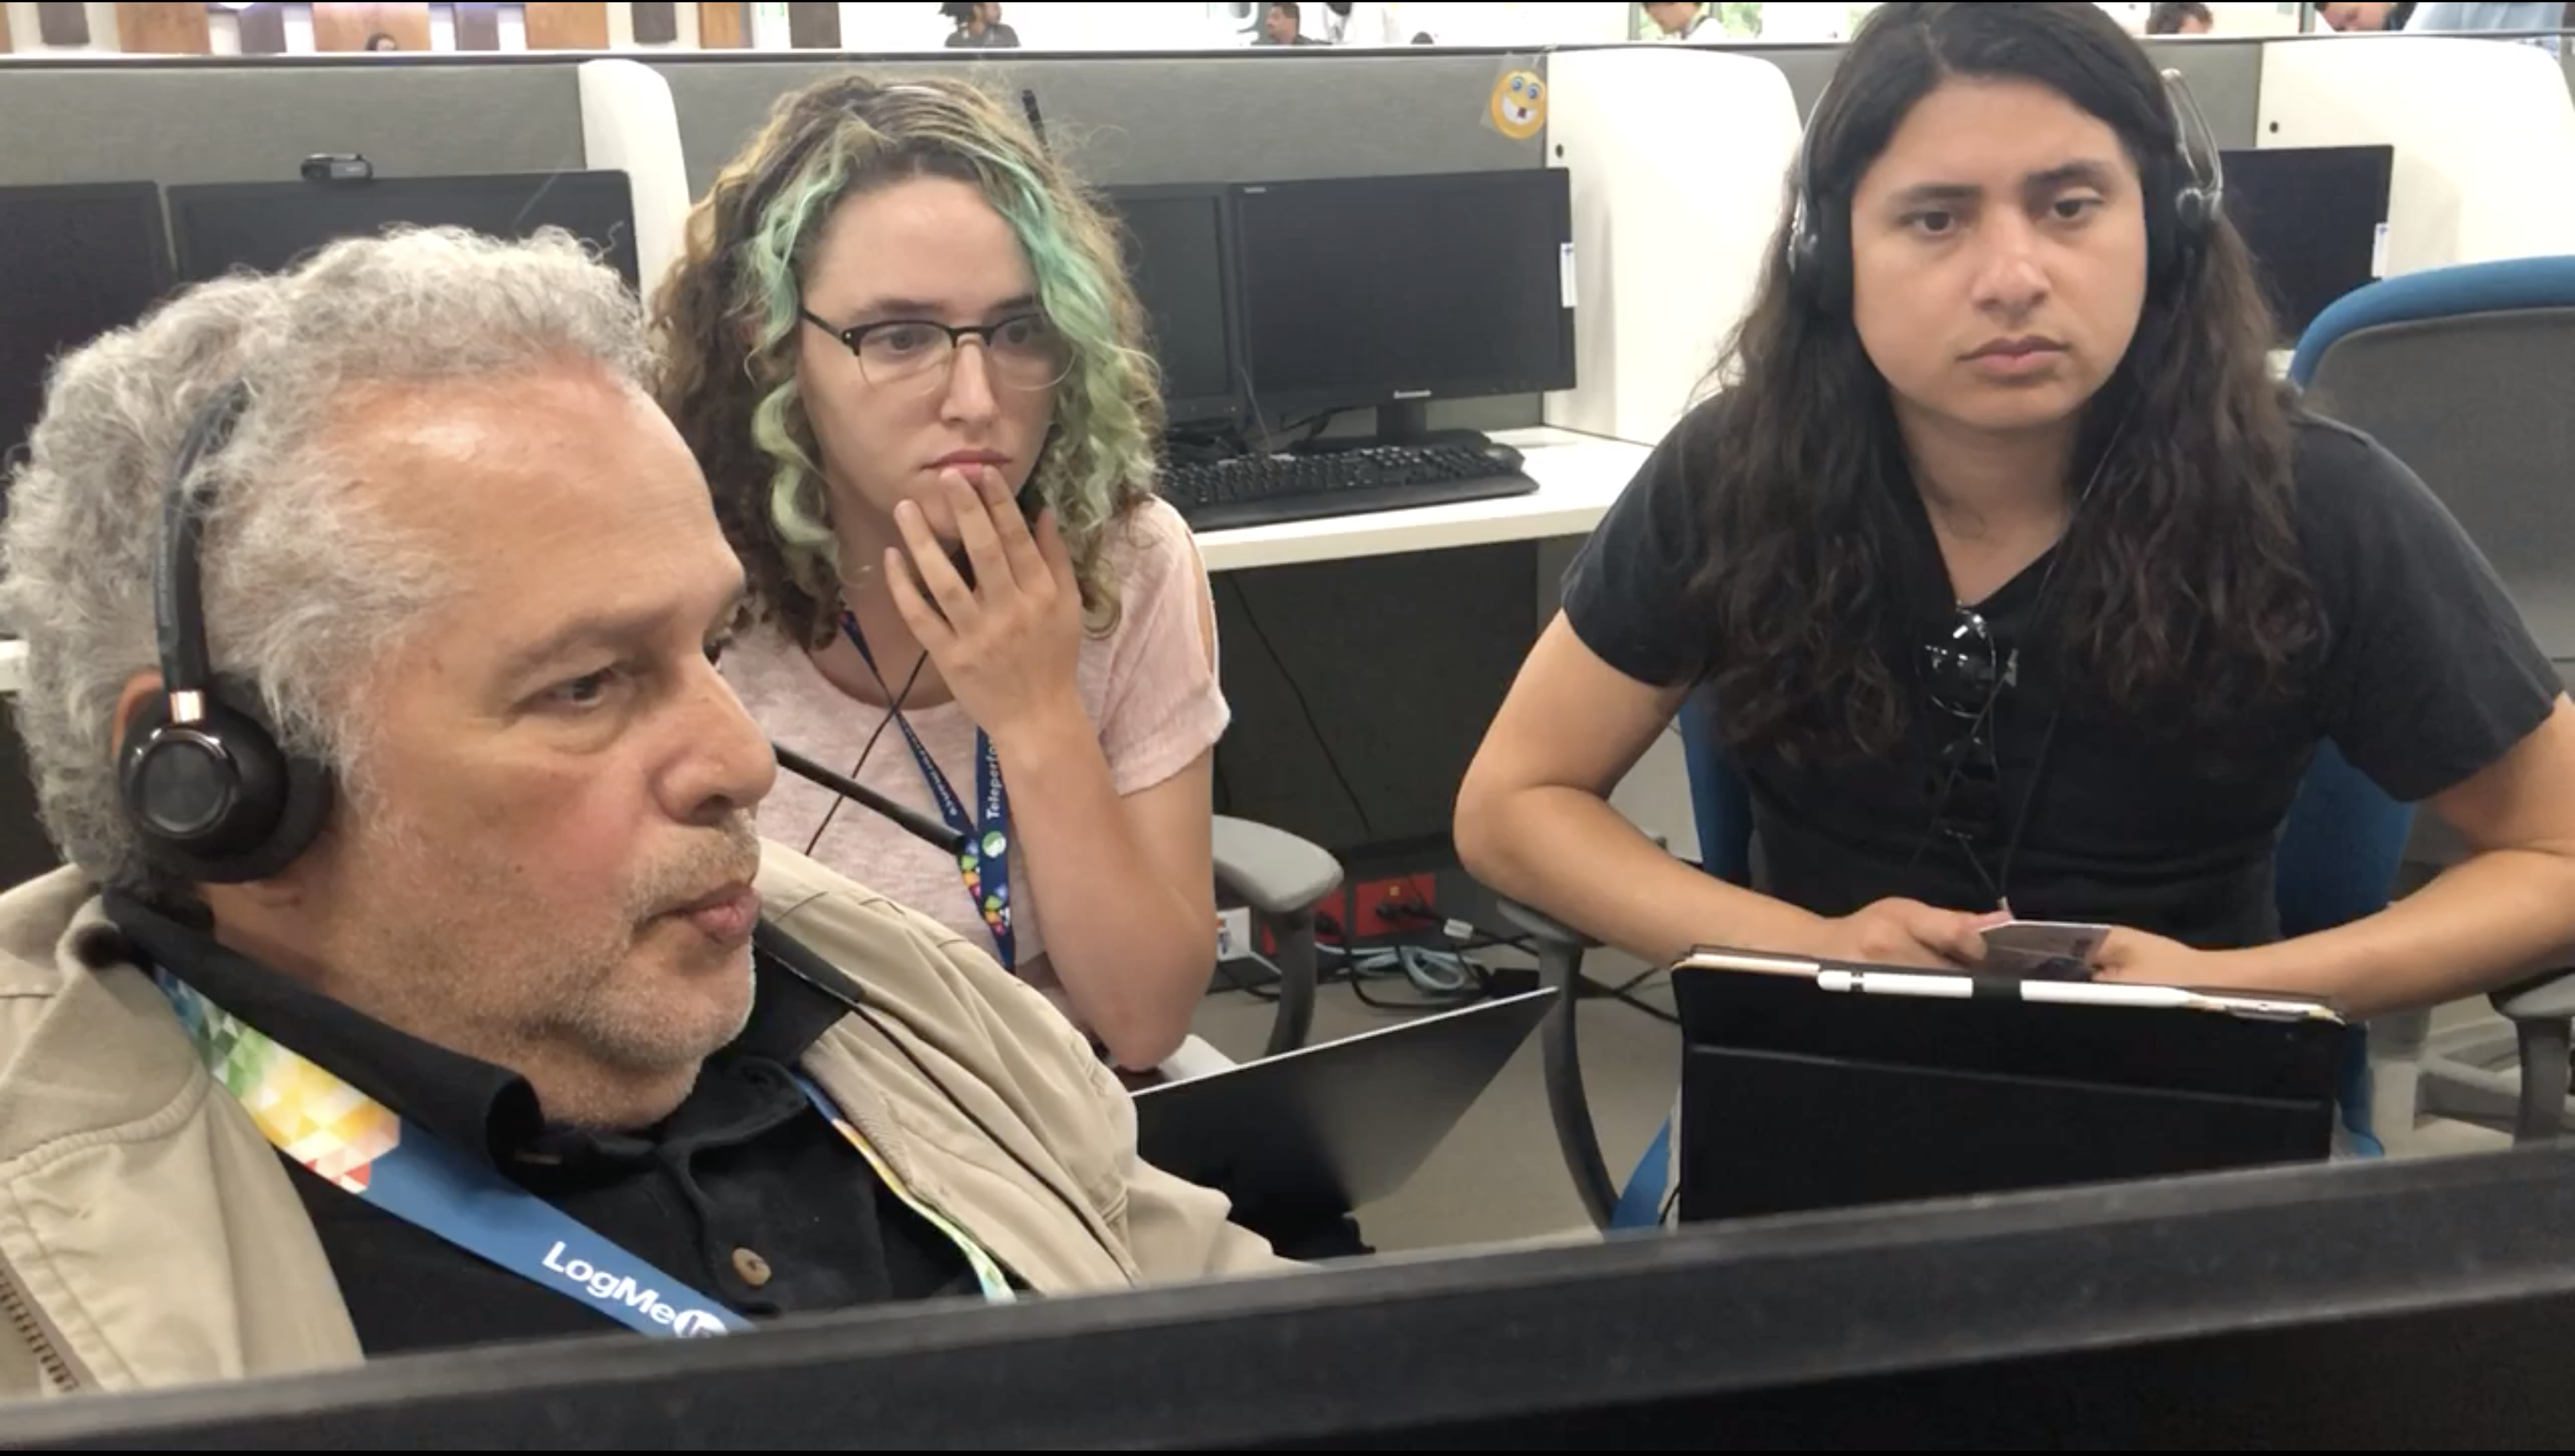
(1966, 673)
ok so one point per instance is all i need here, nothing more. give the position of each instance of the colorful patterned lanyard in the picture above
(985, 862)
(341, 1133)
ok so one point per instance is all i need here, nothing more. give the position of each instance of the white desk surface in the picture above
(1578, 477)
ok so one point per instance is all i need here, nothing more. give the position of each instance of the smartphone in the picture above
(2043, 949)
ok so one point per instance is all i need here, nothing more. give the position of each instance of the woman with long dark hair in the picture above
(2021, 588)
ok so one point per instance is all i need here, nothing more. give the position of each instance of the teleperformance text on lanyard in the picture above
(342, 1134)
(985, 862)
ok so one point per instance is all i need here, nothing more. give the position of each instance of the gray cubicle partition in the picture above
(198, 121)
(1132, 120)
(1121, 119)
(2226, 79)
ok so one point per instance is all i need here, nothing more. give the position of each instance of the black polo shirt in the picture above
(2426, 676)
(745, 1192)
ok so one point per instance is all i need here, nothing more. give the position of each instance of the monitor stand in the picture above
(1407, 421)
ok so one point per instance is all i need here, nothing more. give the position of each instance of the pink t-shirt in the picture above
(1146, 685)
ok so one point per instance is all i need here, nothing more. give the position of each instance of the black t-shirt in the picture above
(2426, 676)
(745, 1192)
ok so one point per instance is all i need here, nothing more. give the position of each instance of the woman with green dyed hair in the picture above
(902, 346)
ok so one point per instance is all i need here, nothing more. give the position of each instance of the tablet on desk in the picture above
(1811, 1083)
(1332, 1128)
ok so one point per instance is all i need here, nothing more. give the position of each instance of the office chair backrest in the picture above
(2462, 373)
(2339, 848)
(2337, 858)
(1720, 803)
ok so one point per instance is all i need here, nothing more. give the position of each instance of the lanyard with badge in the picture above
(366, 1149)
(985, 862)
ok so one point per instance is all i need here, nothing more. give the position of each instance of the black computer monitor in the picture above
(2402, 1305)
(1177, 255)
(269, 225)
(2314, 218)
(75, 262)
(1393, 291)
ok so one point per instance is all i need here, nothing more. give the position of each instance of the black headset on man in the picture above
(213, 795)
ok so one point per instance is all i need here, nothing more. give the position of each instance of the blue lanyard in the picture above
(368, 1150)
(985, 862)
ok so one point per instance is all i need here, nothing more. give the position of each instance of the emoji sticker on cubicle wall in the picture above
(1519, 106)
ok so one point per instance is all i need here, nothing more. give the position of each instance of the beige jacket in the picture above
(149, 1236)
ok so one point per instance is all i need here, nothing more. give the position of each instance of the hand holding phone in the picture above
(2043, 949)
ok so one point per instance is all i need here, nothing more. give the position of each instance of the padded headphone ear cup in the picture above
(2197, 210)
(1819, 258)
(2175, 239)
(310, 795)
(218, 801)
(1833, 260)
(2176, 218)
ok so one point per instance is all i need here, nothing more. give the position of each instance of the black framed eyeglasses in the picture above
(1023, 351)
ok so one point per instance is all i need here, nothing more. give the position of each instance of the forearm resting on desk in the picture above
(1567, 852)
(2484, 923)
(2505, 914)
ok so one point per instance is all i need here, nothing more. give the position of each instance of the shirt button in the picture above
(751, 1267)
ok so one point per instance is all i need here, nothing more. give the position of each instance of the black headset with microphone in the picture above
(213, 795)
(2194, 176)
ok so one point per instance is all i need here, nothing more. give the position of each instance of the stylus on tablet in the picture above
(2069, 993)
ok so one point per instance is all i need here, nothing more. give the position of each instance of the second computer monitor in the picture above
(2313, 218)
(1173, 241)
(270, 225)
(1395, 290)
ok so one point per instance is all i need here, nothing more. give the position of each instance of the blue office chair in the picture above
(2462, 373)
(2339, 851)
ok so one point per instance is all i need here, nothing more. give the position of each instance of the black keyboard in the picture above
(1260, 490)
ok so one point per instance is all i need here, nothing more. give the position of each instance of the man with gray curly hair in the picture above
(503, 1025)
